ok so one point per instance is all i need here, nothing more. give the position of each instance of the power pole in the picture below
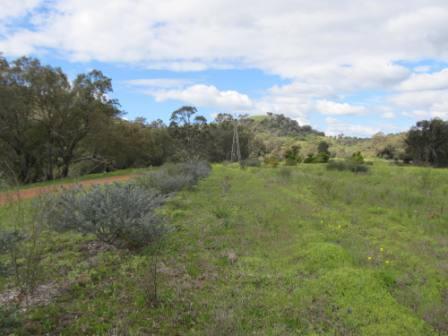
(236, 152)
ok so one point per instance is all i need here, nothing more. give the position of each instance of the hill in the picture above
(279, 132)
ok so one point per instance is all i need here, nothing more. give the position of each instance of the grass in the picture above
(262, 252)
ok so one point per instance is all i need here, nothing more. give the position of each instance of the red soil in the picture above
(13, 196)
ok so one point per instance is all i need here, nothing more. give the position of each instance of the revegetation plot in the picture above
(266, 251)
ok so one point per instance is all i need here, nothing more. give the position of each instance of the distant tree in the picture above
(190, 131)
(427, 142)
(357, 157)
(323, 147)
(292, 155)
(389, 152)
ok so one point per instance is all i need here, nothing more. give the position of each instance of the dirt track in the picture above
(13, 196)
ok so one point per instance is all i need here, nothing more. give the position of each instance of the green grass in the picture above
(261, 252)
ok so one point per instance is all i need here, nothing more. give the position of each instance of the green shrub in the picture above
(292, 156)
(8, 242)
(309, 158)
(122, 215)
(271, 161)
(347, 165)
(174, 177)
(321, 157)
(252, 162)
(165, 182)
(357, 158)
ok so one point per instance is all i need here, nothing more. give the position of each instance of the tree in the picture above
(44, 117)
(389, 152)
(323, 147)
(292, 155)
(427, 142)
(190, 131)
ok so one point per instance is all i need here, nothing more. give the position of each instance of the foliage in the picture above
(280, 125)
(427, 143)
(323, 147)
(292, 156)
(271, 161)
(122, 215)
(44, 118)
(250, 162)
(389, 152)
(347, 164)
(357, 158)
(321, 157)
(9, 241)
(174, 177)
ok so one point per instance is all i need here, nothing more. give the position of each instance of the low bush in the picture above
(347, 165)
(174, 177)
(271, 161)
(8, 242)
(122, 215)
(321, 157)
(292, 156)
(165, 182)
(252, 162)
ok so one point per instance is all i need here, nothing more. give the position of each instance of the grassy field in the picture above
(262, 251)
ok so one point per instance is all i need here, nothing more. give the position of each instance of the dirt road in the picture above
(13, 196)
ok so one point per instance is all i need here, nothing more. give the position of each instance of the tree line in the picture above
(50, 126)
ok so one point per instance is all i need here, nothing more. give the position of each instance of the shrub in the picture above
(122, 215)
(309, 158)
(196, 169)
(321, 157)
(252, 162)
(165, 182)
(271, 161)
(174, 177)
(9, 239)
(292, 156)
(8, 242)
(348, 164)
(357, 157)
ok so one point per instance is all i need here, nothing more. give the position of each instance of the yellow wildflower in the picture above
(381, 249)
(369, 258)
(387, 262)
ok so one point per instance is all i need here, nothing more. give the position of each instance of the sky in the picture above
(355, 67)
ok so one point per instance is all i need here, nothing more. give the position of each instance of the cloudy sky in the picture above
(348, 66)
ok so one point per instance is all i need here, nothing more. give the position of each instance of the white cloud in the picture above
(426, 81)
(313, 44)
(327, 107)
(206, 96)
(423, 104)
(286, 37)
(388, 115)
(15, 8)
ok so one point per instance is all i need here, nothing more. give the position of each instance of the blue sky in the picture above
(352, 67)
